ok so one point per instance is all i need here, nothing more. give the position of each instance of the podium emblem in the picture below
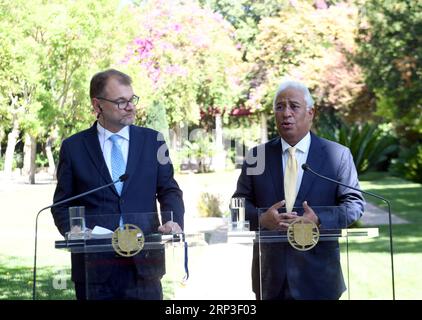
(128, 240)
(303, 234)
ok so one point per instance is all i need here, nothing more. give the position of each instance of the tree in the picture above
(186, 59)
(390, 50)
(49, 52)
(18, 75)
(79, 38)
(156, 119)
(245, 16)
(313, 45)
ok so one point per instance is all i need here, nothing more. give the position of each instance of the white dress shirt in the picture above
(302, 151)
(106, 144)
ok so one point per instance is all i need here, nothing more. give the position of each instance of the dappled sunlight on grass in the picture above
(53, 283)
(406, 202)
(369, 276)
(405, 197)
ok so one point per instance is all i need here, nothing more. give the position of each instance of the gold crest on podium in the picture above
(128, 240)
(302, 234)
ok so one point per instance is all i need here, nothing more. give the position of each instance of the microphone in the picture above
(122, 178)
(306, 167)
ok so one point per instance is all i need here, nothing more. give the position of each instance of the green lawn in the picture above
(370, 261)
(16, 274)
(53, 282)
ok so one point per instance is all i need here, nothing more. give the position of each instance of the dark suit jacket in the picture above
(82, 167)
(313, 274)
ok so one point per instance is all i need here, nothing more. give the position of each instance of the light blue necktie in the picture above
(118, 166)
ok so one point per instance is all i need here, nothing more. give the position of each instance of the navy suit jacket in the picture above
(82, 167)
(313, 274)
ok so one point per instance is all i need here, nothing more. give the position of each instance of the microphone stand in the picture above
(306, 167)
(122, 178)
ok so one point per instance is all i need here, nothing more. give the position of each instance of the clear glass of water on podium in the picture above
(77, 222)
(237, 210)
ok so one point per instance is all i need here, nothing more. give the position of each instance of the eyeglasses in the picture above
(122, 103)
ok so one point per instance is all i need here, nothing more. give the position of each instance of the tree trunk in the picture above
(1, 138)
(218, 132)
(30, 152)
(33, 166)
(175, 137)
(10, 149)
(49, 152)
(26, 155)
(264, 128)
(219, 158)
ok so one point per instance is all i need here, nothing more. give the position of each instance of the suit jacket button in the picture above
(121, 201)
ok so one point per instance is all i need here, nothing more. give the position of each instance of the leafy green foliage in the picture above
(41, 160)
(368, 144)
(209, 205)
(189, 57)
(409, 164)
(18, 67)
(245, 16)
(311, 45)
(390, 50)
(157, 120)
(75, 44)
(201, 151)
(48, 52)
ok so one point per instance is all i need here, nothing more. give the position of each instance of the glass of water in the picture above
(237, 209)
(77, 221)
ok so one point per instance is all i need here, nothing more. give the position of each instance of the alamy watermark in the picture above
(60, 280)
(253, 159)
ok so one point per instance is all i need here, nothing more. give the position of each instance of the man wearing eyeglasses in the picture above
(113, 146)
